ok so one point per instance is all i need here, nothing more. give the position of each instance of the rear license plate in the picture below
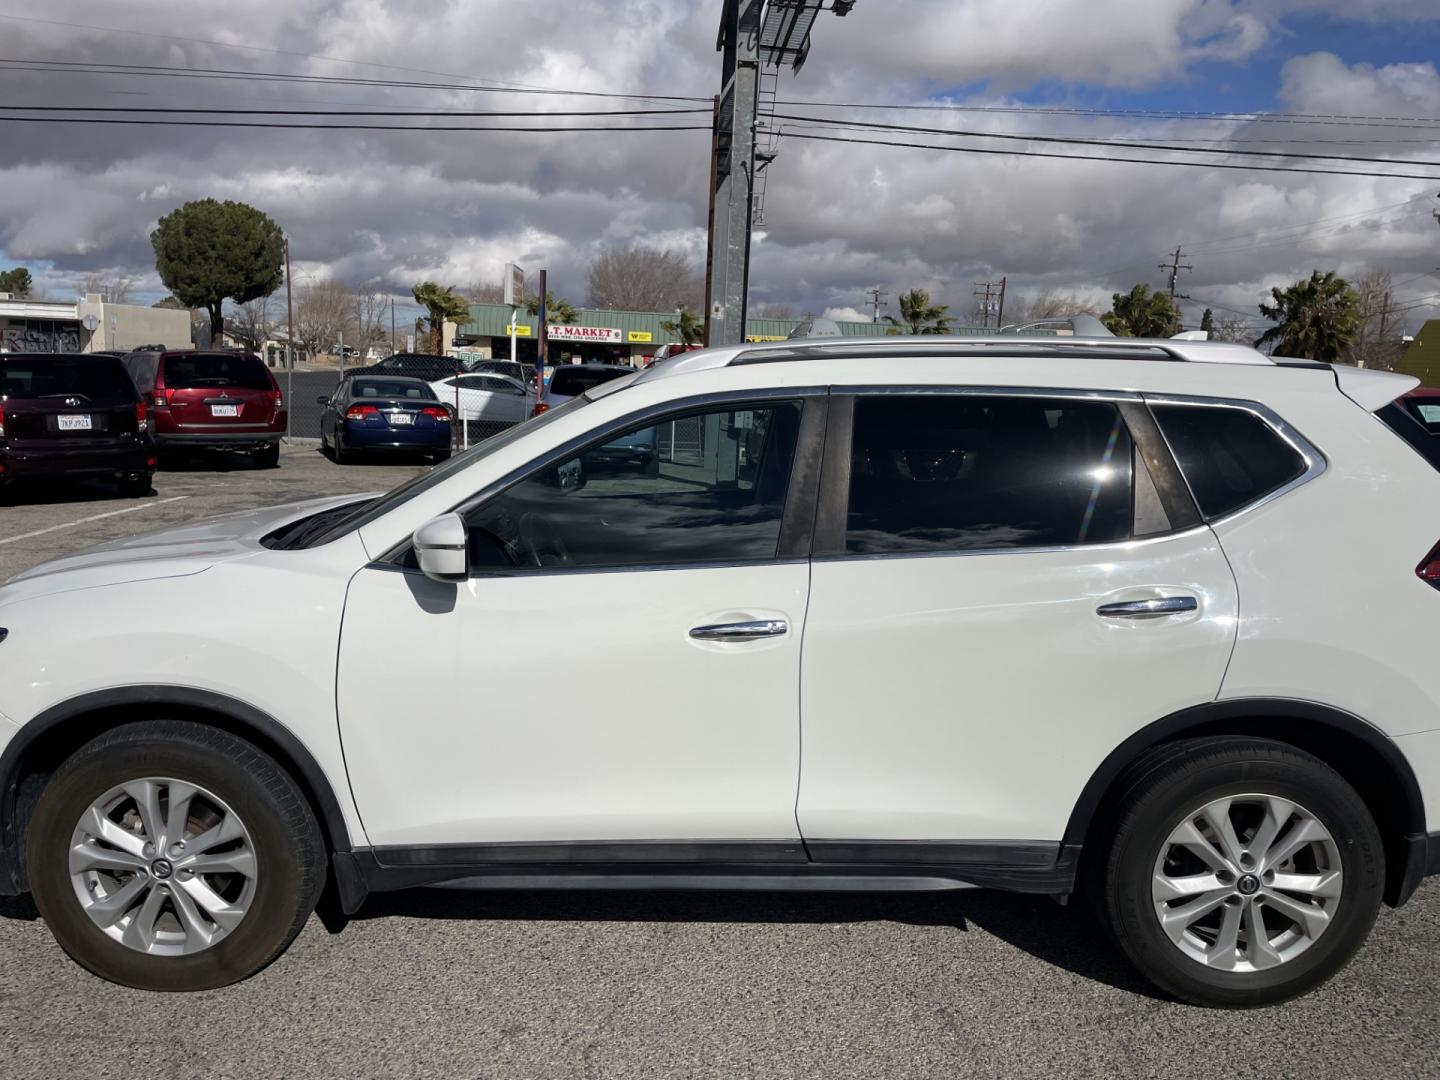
(73, 423)
(224, 410)
(402, 419)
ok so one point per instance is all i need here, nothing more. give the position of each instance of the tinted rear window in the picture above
(1426, 410)
(954, 472)
(575, 380)
(1230, 457)
(59, 376)
(215, 369)
(391, 388)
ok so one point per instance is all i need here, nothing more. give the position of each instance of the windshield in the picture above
(440, 473)
(215, 369)
(577, 379)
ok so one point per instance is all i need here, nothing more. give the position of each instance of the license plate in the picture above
(402, 419)
(73, 423)
(224, 410)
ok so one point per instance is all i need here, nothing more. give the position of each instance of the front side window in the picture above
(1230, 457)
(704, 487)
(957, 472)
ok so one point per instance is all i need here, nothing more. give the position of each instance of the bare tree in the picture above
(323, 311)
(117, 289)
(252, 323)
(1236, 329)
(776, 311)
(634, 277)
(485, 292)
(370, 324)
(1047, 304)
(1378, 344)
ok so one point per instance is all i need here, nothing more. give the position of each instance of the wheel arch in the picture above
(45, 741)
(1360, 752)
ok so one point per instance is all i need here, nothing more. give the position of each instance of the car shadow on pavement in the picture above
(1068, 937)
(57, 493)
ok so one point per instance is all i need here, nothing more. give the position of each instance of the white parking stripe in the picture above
(92, 517)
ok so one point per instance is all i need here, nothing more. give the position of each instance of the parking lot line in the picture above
(92, 517)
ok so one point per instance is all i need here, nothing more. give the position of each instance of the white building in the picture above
(88, 325)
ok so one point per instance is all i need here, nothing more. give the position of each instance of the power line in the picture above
(1122, 160)
(1124, 144)
(1135, 114)
(344, 127)
(148, 110)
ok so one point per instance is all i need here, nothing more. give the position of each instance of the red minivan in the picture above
(211, 399)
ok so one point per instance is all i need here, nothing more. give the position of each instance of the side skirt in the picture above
(768, 866)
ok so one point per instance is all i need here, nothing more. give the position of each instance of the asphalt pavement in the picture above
(432, 983)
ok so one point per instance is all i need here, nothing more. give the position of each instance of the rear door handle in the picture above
(1142, 609)
(741, 631)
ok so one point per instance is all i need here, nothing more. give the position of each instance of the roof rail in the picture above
(1001, 345)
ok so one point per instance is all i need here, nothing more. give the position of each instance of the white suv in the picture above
(1138, 619)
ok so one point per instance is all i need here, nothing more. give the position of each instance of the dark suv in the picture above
(425, 366)
(213, 399)
(64, 414)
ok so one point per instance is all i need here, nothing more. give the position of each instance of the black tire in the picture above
(289, 850)
(439, 456)
(269, 458)
(1179, 780)
(134, 487)
(340, 455)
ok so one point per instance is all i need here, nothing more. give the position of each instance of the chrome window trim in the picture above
(1070, 393)
(570, 571)
(1315, 460)
(1112, 546)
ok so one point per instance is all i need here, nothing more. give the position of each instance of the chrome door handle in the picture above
(741, 631)
(1140, 609)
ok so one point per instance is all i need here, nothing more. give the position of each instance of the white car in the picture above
(1148, 620)
(488, 397)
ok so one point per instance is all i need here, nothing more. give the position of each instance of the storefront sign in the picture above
(764, 337)
(522, 330)
(639, 337)
(586, 333)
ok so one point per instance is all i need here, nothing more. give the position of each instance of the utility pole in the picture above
(876, 297)
(393, 347)
(289, 346)
(990, 287)
(1175, 266)
(542, 342)
(1000, 316)
(739, 43)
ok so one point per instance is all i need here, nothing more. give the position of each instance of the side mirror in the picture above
(442, 549)
(322, 400)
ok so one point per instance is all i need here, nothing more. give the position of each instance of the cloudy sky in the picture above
(392, 208)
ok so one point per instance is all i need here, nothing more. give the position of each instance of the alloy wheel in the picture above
(163, 866)
(1247, 882)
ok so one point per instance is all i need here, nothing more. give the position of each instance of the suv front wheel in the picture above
(1243, 872)
(173, 856)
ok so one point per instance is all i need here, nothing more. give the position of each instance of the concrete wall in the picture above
(134, 326)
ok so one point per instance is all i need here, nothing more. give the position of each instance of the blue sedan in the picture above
(384, 414)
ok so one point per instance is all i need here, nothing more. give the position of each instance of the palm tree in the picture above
(1141, 313)
(689, 328)
(442, 305)
(1318, 318)
(919, 316)
(557, 311)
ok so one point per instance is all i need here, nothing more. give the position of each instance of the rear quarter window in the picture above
(576, 380)
(215, 369)
(1230, 457)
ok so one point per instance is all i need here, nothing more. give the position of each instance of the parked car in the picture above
(1423, 403)
(1050, 615)
(489, 398)
(373, 414)
(571, 380)
(211, 399)
(425, 366)
(524, 373)
(72, 415)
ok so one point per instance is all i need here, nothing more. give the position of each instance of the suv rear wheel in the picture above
(1243, 872)
(172, 856)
